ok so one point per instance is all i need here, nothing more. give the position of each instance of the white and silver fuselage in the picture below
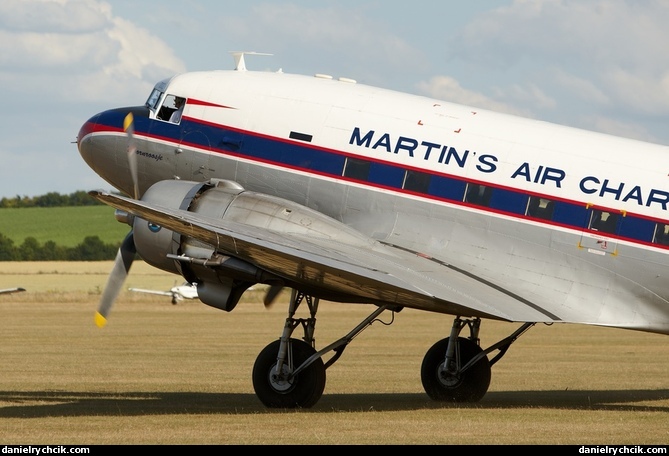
(573, 221)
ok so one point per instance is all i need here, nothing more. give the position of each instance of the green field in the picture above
(66, 226)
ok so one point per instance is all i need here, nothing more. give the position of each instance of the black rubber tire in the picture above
(469, 386)
(303, 391)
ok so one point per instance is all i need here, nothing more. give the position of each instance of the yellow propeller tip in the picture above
(127, 122)
(100, 321)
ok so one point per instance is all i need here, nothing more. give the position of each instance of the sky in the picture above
(601, 65)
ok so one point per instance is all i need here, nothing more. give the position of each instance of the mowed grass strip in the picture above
(181, 374)
(66, 226)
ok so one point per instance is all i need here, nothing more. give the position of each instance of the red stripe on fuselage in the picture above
(94, 127)
(196, 102)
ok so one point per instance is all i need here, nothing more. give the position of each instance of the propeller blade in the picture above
(124, 258)
(129, 128)
(271, 295)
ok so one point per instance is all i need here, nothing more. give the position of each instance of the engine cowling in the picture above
(222, 279)
(156, 244)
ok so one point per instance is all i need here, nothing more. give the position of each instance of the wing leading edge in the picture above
(369, 272)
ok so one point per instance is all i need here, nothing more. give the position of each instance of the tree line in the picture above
(51, 199)
(91, 249)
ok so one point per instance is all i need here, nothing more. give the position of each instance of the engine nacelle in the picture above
(221, 280)
(155, 244)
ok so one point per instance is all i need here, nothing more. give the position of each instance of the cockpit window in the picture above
(154, 98)
(172, 108)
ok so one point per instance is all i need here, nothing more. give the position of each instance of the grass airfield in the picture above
(181, 374)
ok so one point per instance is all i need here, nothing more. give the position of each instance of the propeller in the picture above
(126, 253)
(129, 128)
(175, 294)
(124, 258)
(271, 295)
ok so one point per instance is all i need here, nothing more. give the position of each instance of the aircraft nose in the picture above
(103, 144)
(84, 138)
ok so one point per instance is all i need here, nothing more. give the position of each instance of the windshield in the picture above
(156, 94)
(154, 98)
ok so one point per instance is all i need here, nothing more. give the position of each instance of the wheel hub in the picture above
(279, 381)
(447, 378)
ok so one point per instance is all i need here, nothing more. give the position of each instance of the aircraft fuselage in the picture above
(564, 218)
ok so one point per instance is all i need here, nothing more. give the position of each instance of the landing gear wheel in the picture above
(302, 391)
(441, 385)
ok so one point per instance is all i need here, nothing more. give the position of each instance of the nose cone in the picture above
(85, 140)
(103, 145)
(98, 145)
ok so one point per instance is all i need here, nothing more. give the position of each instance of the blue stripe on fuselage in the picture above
(328, 162)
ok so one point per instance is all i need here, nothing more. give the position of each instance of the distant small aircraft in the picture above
(12, 290)
(178, 293)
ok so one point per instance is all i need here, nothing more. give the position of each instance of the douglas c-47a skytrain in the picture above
(359, 195)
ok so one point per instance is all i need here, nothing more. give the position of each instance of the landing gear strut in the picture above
(275, 380)
(457, 369)
(290, 373)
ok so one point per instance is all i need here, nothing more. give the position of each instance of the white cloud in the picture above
(645, 94)
(103, 58)
(529, 95)
(347, 37)
(53, 16)
(33, 51)
(604, 55)
(580, 87)
(448, 89)
(598, 64)
(62, 61)
(619, 128)
(592, 32)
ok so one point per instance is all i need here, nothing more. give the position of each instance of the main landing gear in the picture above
(290, 373)
(457, 369)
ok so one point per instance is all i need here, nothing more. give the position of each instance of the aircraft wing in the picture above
(369, 270)
(12, 290)
(156, 292)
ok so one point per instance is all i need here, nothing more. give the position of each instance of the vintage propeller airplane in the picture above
(356, 194)
(12, 290)
(177, 292)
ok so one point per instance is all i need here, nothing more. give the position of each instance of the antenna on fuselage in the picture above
(240, 64)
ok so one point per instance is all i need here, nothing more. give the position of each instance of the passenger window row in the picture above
(294, 154)
(517, 203)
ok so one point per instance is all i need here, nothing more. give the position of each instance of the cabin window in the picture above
(540, 208)
(356, 169)
(661, 234)
(604, 221)
(478, 194)
(416, 181)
